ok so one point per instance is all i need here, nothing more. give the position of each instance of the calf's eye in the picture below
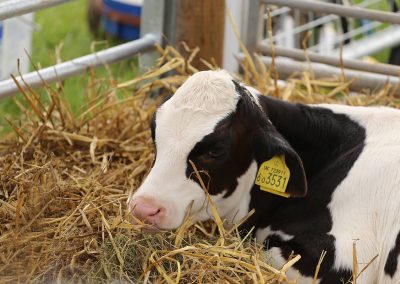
(216, 152)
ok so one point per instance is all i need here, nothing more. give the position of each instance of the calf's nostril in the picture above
(146, 210)
(156, 213)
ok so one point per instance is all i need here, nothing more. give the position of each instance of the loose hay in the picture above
(65, 179)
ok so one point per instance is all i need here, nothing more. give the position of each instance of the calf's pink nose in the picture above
(146, 209)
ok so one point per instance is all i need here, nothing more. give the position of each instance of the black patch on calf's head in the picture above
(153, 123)
(224, 155)
(268, 142)
(244, 135)
(153, 127)
(221, 156)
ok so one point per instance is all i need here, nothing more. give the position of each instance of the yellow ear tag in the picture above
(273, 176)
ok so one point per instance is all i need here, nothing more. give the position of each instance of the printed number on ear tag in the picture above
(273, 176)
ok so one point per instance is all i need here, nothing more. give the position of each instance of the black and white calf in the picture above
(339, 166)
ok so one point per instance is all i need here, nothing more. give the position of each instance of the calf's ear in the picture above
(269, 144)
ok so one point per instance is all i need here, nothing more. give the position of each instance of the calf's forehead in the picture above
(207, 92)
(198, 105)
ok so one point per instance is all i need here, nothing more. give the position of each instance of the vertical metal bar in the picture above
(298, 22)
(170, 14)
(261, 23)
(250, 24)
(231, 43)
(12, 8)
(152, 22)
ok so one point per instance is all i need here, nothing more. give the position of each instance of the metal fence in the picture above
(318, 25)
(11, 8)
(327, 37)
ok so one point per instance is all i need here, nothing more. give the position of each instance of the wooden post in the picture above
(200, 23)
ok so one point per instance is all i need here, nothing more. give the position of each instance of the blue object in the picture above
(1, 32)
(121, 18)
(365, 23)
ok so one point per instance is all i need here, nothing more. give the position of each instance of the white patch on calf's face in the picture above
(236, 206)
(193, 112)
(177, 131)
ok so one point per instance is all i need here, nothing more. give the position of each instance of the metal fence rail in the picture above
(81, 64)
(343, 45)
(324, 20)
(12, 8)
(154, 22)
(362, 80)
(301, 55)
(345, 11)
(387, 38)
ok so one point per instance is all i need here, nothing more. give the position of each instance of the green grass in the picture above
(383, 55)
(65, 27)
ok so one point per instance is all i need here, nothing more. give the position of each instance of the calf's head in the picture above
(219, 126)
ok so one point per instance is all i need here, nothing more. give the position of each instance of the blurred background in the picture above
(60, 33)
(75, 28)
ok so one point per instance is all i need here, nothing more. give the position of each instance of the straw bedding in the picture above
(65, 179)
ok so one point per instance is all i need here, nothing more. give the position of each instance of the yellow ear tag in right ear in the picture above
(273, 176)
